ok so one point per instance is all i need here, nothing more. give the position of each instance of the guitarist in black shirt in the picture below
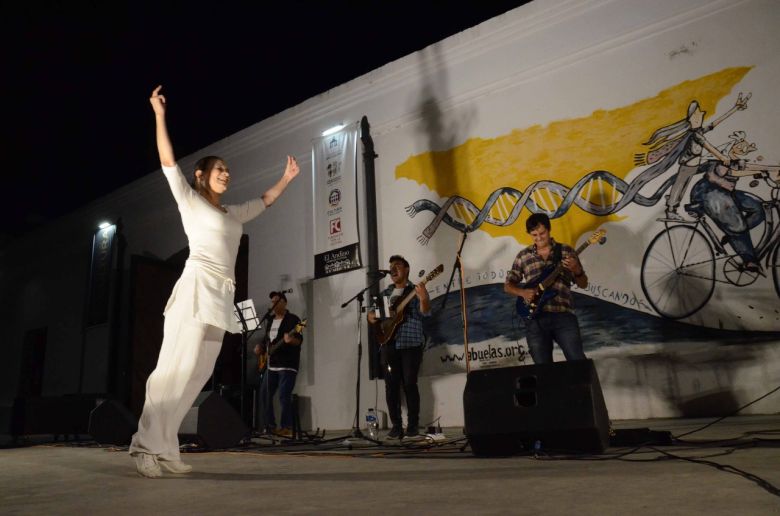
(279, 356)
(555, 318)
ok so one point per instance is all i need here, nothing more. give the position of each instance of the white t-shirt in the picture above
(273, 331)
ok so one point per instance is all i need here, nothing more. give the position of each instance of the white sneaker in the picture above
(175, 466)
(146, 465)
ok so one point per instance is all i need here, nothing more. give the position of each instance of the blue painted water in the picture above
(491, 314)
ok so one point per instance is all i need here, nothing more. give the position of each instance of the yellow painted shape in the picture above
(564, 151)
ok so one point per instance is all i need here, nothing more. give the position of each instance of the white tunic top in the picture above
(206, 288)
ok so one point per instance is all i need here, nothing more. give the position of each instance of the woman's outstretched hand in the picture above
(292, 169)
(158, 101)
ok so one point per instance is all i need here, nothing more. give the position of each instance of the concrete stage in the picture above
(82, 478)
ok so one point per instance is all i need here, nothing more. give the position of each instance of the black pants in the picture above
(401, 367)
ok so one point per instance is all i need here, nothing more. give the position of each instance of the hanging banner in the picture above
(336, 242)
(100, 275)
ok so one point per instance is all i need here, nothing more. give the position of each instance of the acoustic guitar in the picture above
(386, 329)
(262, 358)
(547, 277)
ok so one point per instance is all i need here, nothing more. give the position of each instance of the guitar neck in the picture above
(408, 298)
(549, 280)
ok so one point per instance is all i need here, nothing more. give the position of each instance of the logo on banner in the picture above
(334, 197)
(335, 146)
(334, 171)
(335, 226)
(334, 200)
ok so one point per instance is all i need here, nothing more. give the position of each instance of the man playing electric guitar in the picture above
(401, 356)
(281, 364)
(555, 320)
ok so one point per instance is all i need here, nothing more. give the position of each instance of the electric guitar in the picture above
(262, 358)
(386, 329)
(541, 284)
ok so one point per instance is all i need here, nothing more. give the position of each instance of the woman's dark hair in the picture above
(536, 219)
(204, 164)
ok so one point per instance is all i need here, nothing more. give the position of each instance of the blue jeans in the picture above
(562, 327)
(285, 382)
(734, 212)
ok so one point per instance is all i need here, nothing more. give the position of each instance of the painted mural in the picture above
(683, 187)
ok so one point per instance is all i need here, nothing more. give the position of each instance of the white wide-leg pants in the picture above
(187, 357)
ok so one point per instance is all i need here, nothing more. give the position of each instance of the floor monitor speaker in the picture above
(507, 410)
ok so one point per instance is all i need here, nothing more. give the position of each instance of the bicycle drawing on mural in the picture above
(679, 267)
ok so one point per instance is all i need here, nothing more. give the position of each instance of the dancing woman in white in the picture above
(200, 308)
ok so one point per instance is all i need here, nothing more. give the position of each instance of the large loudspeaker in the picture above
(112, 423)
(560, 404)
(213, 422)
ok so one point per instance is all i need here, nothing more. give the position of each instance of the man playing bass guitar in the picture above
(555, 320)
(401, 356)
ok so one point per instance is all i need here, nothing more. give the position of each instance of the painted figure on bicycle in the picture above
(682, 142)
(734, 211)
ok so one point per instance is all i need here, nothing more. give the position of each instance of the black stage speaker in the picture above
(213, 422)
(560, 404)
(112, 423)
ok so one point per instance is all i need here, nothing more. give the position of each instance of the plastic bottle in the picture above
(372, 424)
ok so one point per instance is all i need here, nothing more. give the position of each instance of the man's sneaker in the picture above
(412, 431)
(146, 465)
(395, 433)
(174, 466)
(673, 215)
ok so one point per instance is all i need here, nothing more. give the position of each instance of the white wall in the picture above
(547, 61)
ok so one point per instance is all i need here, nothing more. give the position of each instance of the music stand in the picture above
(246, 316)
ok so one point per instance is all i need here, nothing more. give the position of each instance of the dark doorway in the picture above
(152, 281)
(33, 357)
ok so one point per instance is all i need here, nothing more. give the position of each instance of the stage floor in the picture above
(738, 474)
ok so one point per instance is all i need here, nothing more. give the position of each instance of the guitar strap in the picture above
(557, 252)
(405, 293)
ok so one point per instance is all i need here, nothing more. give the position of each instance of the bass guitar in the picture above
(262, 358)
(541, 284)
(386, 329)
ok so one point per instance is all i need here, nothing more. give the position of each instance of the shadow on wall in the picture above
(441, 130)
(690, 379)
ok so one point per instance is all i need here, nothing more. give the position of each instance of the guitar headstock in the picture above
(300, 326)
(600, 236)
(435, 272)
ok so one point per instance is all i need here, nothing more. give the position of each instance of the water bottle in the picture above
(372, 424)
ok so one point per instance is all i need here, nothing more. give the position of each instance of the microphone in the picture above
(380, 272)
(288, 291)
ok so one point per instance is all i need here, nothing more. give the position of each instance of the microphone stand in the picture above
(464, 316)
(263, 386)
(359, 297)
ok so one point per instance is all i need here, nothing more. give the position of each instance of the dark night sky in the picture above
(77, 77)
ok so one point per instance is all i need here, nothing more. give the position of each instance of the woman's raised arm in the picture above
(290, 171)
(164, 147)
